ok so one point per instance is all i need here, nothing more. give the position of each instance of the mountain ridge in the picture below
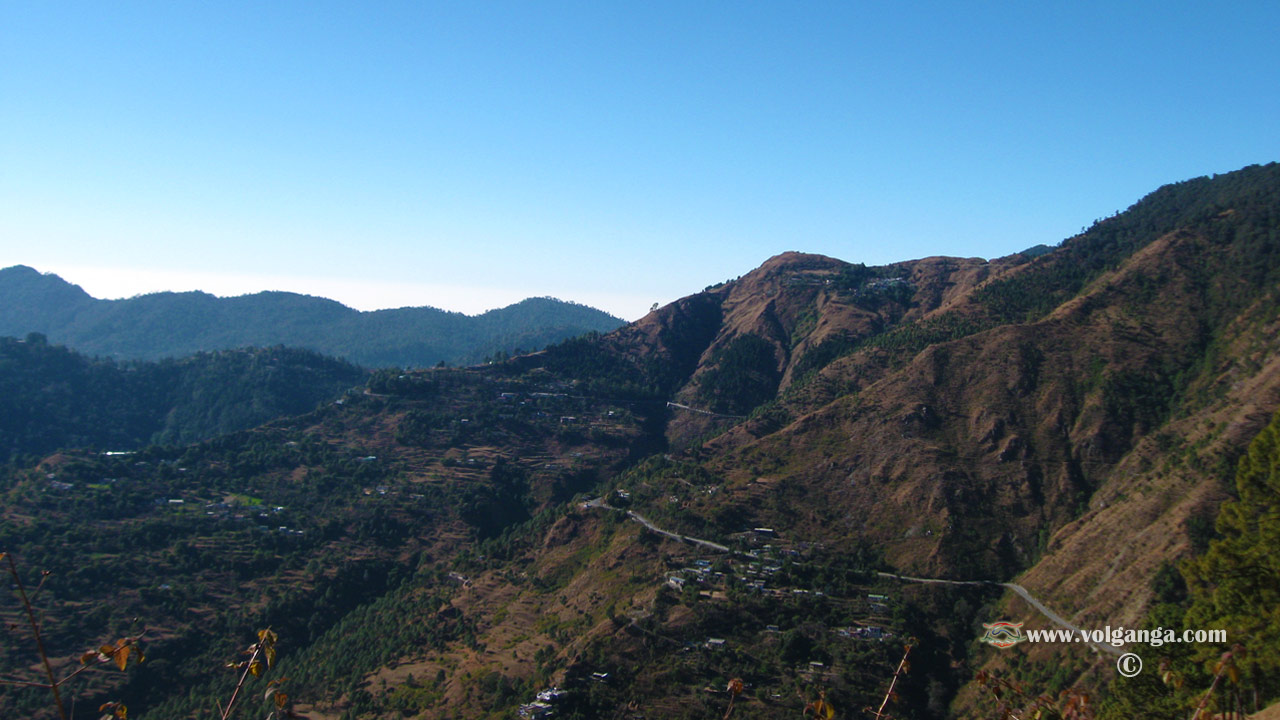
(173, 324)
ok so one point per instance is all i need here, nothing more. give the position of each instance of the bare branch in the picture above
(35, 628)
(902, 667)
(257, 649)
(23, 683)
(44, 575)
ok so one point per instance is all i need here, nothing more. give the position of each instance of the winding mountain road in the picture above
(708, 413)
(1018, 589)
(1023, 593)
(600, 503)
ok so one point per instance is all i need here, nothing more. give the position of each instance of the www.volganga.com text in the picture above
(1121, 636)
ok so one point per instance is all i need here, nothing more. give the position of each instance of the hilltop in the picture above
(170, 325)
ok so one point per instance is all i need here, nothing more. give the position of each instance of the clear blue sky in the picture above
(467, 154)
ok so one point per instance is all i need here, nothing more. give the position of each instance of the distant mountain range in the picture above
(170, 324)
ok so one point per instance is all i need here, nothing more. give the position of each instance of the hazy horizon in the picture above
(469, 156)
(123, 283)
(120, 284)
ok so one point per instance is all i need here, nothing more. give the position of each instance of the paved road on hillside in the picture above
(1021, 591)
(600, 503)
(705, 412)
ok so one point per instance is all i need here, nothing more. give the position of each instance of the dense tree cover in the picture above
(217, 393)
(160, 325)
(904, 341)
(423, 337)
(598, 369)
(400, 615)
(499, 503)
(639, 365)
(872, 288)
(743, 374)
(1236, 210)
(1232, 585)
(1236, 584)
(52, 397)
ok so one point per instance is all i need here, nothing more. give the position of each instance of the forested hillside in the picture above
(52, 397)
(344, 524)
(171, 325)
(1232, 583)
(748, 504)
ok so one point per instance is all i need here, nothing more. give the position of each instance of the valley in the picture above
(749, 501)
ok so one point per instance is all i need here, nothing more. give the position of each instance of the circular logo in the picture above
(1129, 664)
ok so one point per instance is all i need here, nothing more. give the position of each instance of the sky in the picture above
(466, 155)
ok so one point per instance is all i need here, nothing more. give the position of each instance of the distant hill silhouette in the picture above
(169, 324)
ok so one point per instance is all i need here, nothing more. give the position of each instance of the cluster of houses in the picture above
(515, 397)
(211, 509)
(222, 509)
(822, 279)
(756, 574)
(816, 671)
(519, 399)
(882, 283)
(63, 486)
(869, 632)
(756, 577)
(544, 706)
